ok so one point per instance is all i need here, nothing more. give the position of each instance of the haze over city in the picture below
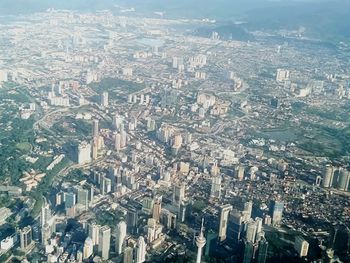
(136, 131)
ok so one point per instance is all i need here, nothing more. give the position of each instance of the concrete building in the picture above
(224, 216)
(88, 248)
(301, 246)
(25, 236)
(84, 153)
(104, 242)
(140, 250)
(120, 237)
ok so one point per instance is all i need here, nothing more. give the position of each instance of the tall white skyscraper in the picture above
(45, 213)
(120, 237)
(224, 215)
(117, 142)
(251, 231)
(94, 233)
(328, 175)
(104, 99)
(88, 248)
(140, 250)
(105, 242)
(200, 242)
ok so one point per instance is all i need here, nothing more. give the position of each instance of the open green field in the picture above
(24, 146)
(117, 88)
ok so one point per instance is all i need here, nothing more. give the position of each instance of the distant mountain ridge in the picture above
(325, 19)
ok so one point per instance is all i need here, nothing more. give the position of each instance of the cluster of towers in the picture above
(334, 177)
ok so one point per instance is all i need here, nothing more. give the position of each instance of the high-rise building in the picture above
(168, 219)
(282, 75)
(83, 197)
(70, 200)
(247, 210)
(215, 186)
(276, 211)
(120, 237)
(344, 178)
(48, 223)
(157, 208)
(328, 176)
(301, 246)
(105, 242)
(240, 173)
(128, 255)
(236, 225)
(25, 235)
(147, 205)
(178, 193)
(200, 242)
(94, 148)
(104, 99)
(95, 128)
(94, 233)
(259, 223)
(84, 153)
(262, 251)
(131, 220)
(79, 257)
(88, 248)
(251, 231)
(183, 211)
(117, 142)
(140, 250)
(224, 215)
(45, 213)
(248, 252)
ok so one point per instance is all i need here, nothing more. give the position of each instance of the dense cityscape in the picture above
(132, 139)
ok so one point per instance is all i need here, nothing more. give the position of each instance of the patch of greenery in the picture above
(116, 87)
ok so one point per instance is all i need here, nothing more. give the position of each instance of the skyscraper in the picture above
(178, 193)
(140, 250)
(236, 225)
(117, 142)
(276, 210)
(94, 233)
(344, 178)
(157, 207)
(45, 213)
(247, 210)
(88, 248)
(248, 252)
(104, 242)
(25, 237)
(128, 255)
(328, 176)
(95, 128)
(131, 219)
(216, 186)
(104, 99)
(120, 237)
(262, 251)
(200, 242)
(224, 215)
(251, 231)
(83, 197)
(84, 153)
